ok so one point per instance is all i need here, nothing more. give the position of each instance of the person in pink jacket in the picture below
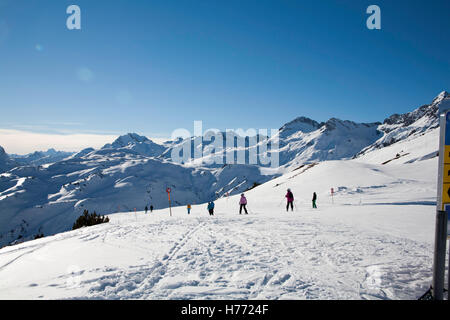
(290, 200)
(243, 204)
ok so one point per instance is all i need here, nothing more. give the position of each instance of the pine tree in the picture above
(87, 220)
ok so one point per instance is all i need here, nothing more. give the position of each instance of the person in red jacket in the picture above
(290, 200)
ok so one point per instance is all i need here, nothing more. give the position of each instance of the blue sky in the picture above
(153, 66)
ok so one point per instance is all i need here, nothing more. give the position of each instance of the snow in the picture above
(41, 157)
(409, 150)
(373, 240)
(133, 171)
(106, 181)
(13, 190)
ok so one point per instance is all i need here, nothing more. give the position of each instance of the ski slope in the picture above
(133, 172)
(372, 240)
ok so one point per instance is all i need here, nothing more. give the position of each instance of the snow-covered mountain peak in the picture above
(410, 125)
(335, 123)
(427, 113)
(441, 96)
(125, 140)
(302, 124)
(442, 101)
(406, 119)
(51, 151)
(6, 162)
(136, 144)
(41, 157)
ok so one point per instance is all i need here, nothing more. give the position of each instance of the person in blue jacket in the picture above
(211, 208)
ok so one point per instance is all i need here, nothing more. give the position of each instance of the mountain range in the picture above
(44, 192)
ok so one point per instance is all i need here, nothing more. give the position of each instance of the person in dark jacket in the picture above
(146, 209)
(151, 209)
(314, 199)
(290, 200)
(211, 208)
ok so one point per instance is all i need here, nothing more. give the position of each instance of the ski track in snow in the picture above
(372, 240)
(250, 257)
(20, 255)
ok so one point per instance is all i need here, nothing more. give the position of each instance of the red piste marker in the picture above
(168, 190)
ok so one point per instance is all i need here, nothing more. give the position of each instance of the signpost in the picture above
(168, 194)
(443, 208)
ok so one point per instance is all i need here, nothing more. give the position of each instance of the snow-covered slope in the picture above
(372, 240)
(133, 171)
(81, 153)
(412, 149)
(50, 197)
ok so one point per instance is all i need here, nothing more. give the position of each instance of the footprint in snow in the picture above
(281, 280)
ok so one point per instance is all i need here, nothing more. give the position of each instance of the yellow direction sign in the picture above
(443, 203)
(446, 193)
(442, 229)
(446, 173)
(447, 153)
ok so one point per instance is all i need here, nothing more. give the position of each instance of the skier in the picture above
(290, 200)
(211, 208)
(151, 209)
(189, 208)
(146, 209)
(314, 199)
(243, 204)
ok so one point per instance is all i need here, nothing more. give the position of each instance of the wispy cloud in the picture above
(27, 138)
(23, 142)
(63, 128)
